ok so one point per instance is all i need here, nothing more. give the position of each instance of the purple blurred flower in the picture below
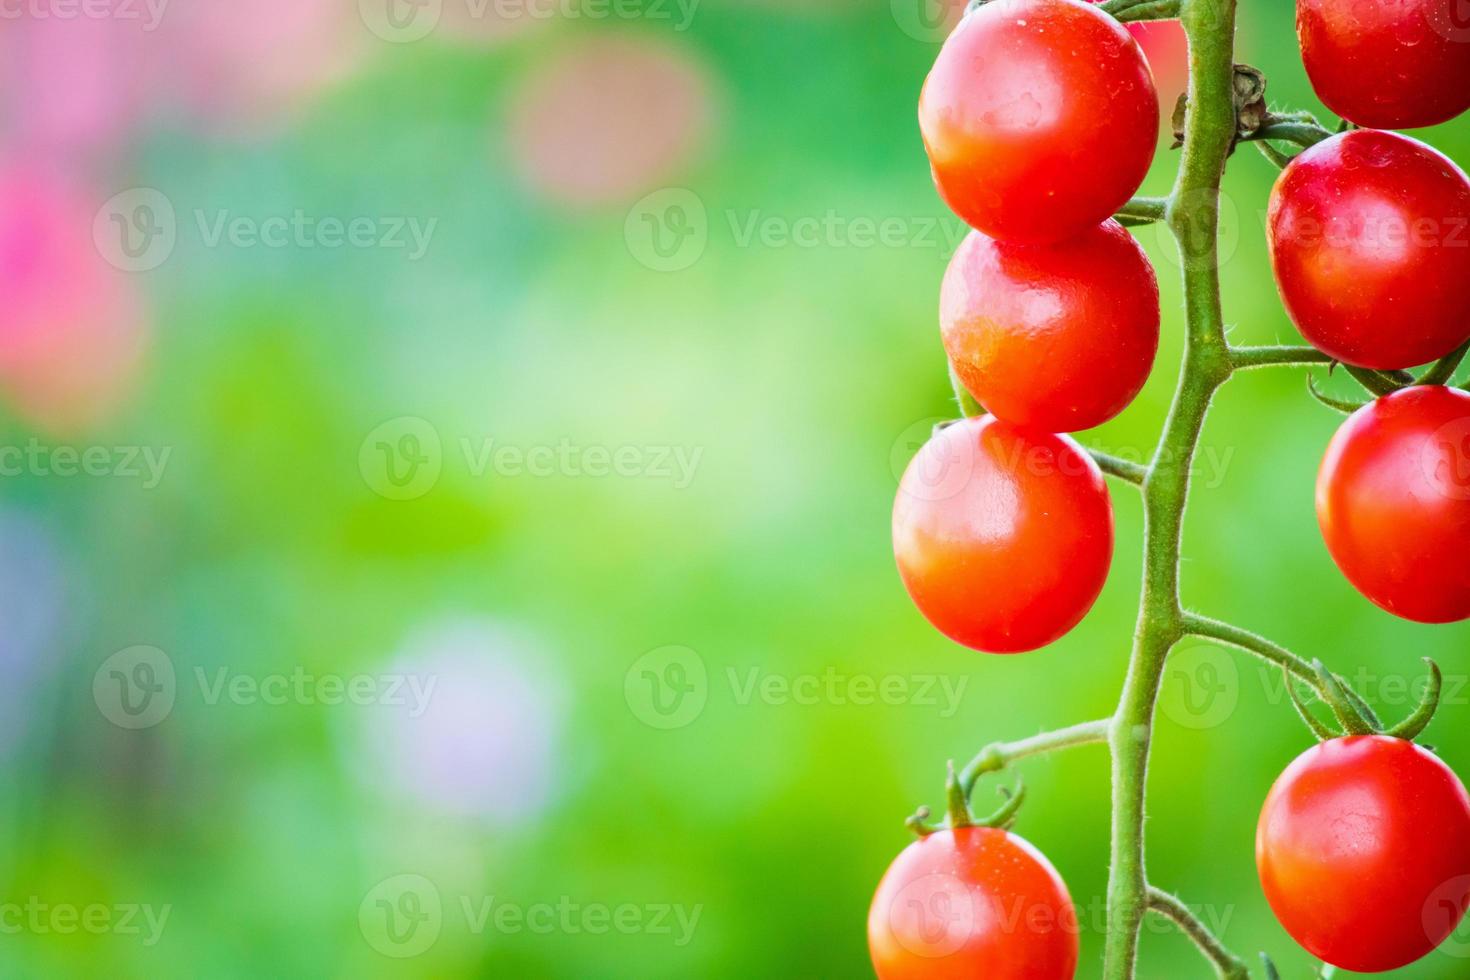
(483, 741)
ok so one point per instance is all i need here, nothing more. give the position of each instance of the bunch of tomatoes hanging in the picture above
(1040, 119)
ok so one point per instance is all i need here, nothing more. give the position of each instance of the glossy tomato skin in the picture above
(1395, 65)
(1393, 502)
(1054, 337)
(1370, 242)
(1363, 848)
(969, 903)
(1040, 118)
(1003, 535)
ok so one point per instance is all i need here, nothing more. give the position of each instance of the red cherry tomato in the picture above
(1003, 535)
(1393, 500)
(972, 903)
(1040, 118)
(1054, 337)
(1370, 241)
(1388, 65)
(1364, 852)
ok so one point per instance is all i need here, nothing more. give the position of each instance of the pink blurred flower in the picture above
(485, 742)
(238, 64)
(72, 327)
(608, 120)
(75, 85)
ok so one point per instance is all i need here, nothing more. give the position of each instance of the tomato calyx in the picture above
(1380, 383)
(1353, 714)
(958, 813)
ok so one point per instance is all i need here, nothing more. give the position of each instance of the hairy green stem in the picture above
(1243, 358)
(995, 757)
(1227, 965)
(1123, 469)
(1193, 216)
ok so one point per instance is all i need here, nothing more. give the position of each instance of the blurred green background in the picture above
(517, 600)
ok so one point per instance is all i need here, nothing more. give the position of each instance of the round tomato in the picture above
(1003, 535)
(972, 902)
(1388, 65)
(1054, 337)
(1364, 852)
(1370, 242)
(1040, 118)
(1393, 500)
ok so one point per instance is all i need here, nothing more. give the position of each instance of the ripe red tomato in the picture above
(1388, 65)
(1364, 852)
(1003, 535)
(1393, 501)
(1040, 118)
(972, 902)
(1054, 337)
(1370, 241)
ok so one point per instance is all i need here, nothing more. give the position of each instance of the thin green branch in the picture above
(1146, 209)
(1123, 469)
(1287, 130)
(1442, 370)
(1213, 629)
(1227, 965)
(998, 755)
(1378, 382)
(1244, 358)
